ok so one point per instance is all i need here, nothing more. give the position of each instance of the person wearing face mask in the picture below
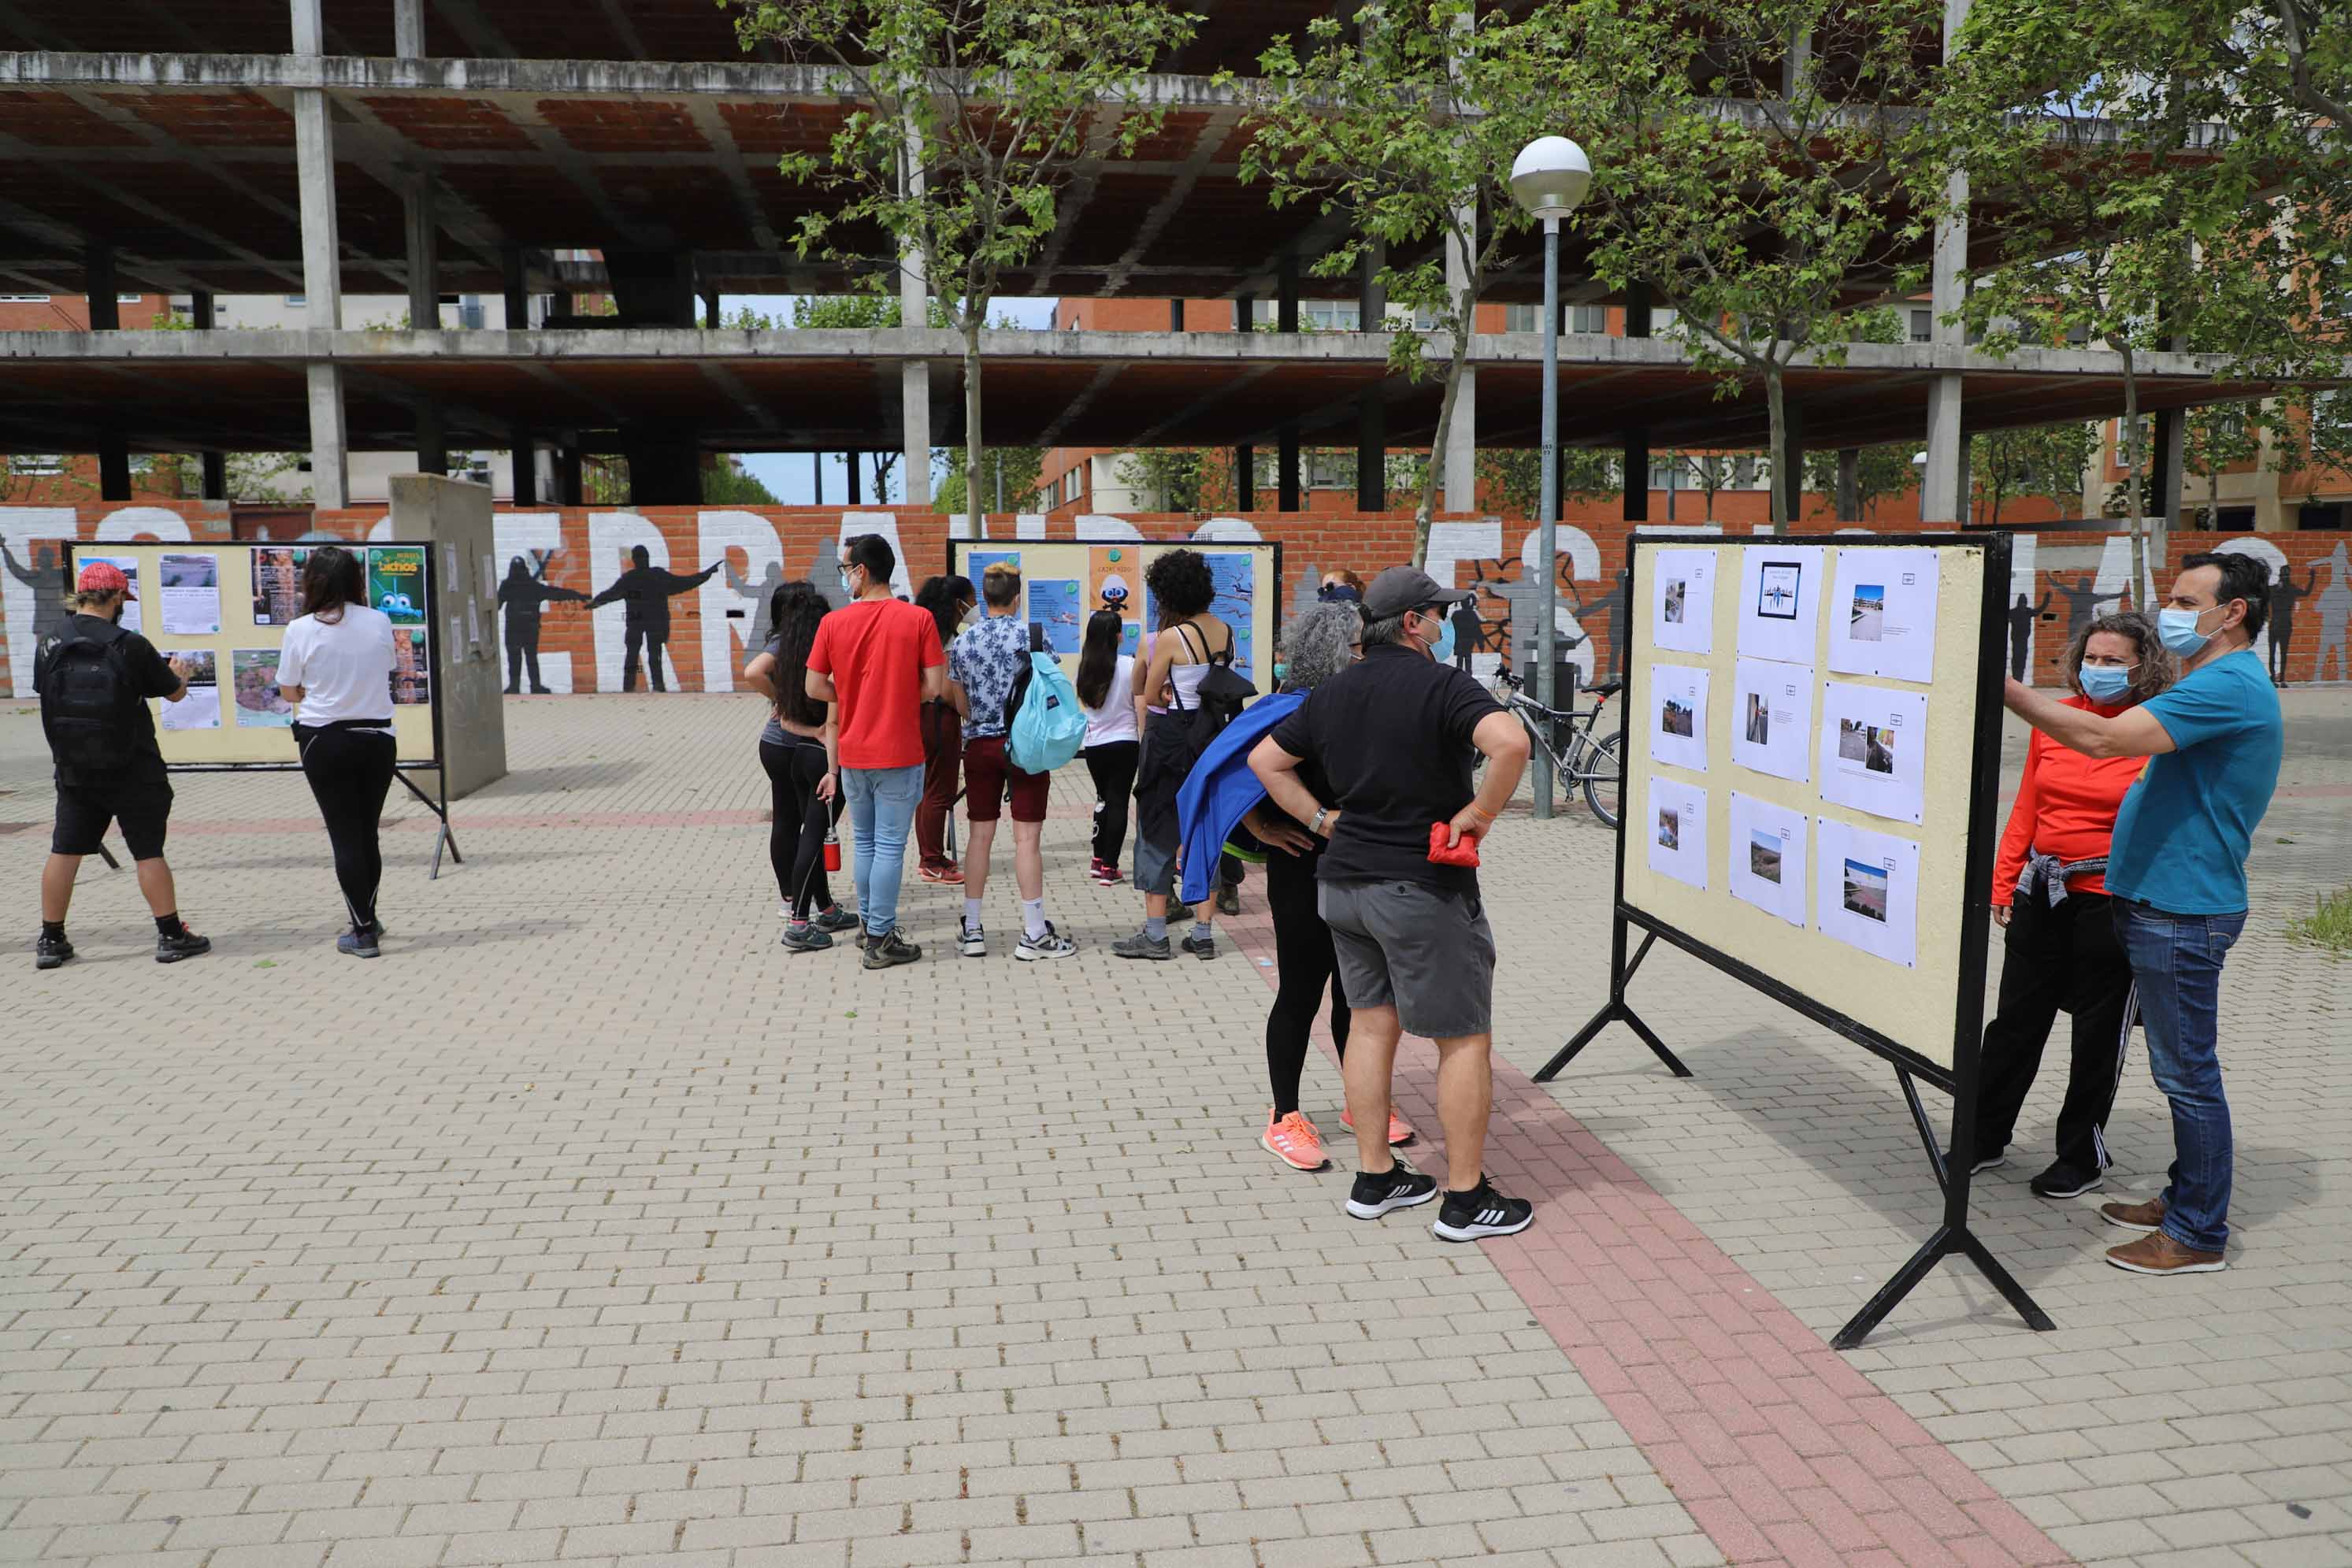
(2060, 951)
(2177, 875)
(949, 600)
(1393, 737)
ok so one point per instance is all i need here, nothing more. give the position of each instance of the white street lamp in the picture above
(1549, 178)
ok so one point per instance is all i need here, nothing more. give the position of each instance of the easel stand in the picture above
(1616, 1009)
(444, 838)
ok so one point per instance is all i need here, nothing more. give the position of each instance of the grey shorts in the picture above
(1427, 953)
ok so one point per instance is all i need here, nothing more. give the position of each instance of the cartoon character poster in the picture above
(396, 583)
(1115, 582)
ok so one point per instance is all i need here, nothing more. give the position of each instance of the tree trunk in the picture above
(972, 318)
(2133, 458)
(1777, 404)
(1427, 505)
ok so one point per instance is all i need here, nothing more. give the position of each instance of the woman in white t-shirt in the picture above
(338, 667)
(1106, 685)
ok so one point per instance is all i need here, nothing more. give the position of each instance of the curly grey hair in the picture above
(2156, 668)
(1320, 643)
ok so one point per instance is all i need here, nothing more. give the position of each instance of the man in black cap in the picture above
(1394, 736)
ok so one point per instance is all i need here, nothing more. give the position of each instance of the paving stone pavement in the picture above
(590, 1226)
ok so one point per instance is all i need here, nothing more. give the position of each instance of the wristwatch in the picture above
(1316, 827)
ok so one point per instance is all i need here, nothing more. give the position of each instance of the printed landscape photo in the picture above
(1677, 595)
(1854, 742)
(1759, 720)
(1670, 829)
(1879, 750)
(1676, 719)
(1866, 623)
(1865, 891)
(1763, 854)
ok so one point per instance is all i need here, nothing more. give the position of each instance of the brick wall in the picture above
(2065, 575)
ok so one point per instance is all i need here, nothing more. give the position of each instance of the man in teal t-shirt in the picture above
(2177, 871)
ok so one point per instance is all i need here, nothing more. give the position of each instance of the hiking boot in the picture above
(1143, 946)
(1199, 947)
(1400, 1130)
(889, 950)
(2144, 1217)
(2062, 1180)
(1052, 944)
(1229, 898)
(1293, 1140)
(1399, 1187)
(51, 952)
(357, 942)
(1482, 1211)
(834, 919)
(804, 938)
(972, 941)
(2156, 1254)
(1178, 909)
(186, 943)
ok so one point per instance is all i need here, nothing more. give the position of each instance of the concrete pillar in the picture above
(915, 418)
(212, 484)
(1789, 463)
(522, 458)
(330, 447)
(517, 287)
(710, 306)
(1372, 297)
(850, 462)
(1943, 496)
(1175, 315)
(1372, 452)
(113, 468)
(1848, 484)
(1636, 471)
(1285, 295)
(1285, 469)
(423, 251)
(816, 478)
(323, 283)
(2169, 465)
(431, 441)
(98, 269)
(568, 483)
(408, 29)
(664, 465)
(201, 314)
(1244, 478)
(1638, 305)
(1244, 313)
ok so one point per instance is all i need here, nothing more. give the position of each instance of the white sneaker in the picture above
(1052, 944)
(975, 942)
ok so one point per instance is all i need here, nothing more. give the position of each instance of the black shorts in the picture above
(143, 808)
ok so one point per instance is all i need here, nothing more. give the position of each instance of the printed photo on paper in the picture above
(260, 704)
(200, 708)
(1884, 622)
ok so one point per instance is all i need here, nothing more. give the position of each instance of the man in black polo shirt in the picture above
(94, 680)
(1394, 735)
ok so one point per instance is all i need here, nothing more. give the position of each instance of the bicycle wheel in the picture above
(1605, 775)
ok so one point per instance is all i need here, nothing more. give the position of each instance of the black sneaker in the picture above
(1142, 945)
(806, 938)
(1399, 1187)
(1229, 898)
(185, 944)
(1178, 909)
(2062, 1180)
(359, 944)
(1199, 947)
(835, 919)
(889, 950)
(1991, 1162)
(51, 952)
(1482, 1211)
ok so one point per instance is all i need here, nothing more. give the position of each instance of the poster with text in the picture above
(1866, 889)
(1779, 601)
(1115, 582)
(412, 674)
(978, 562)
(189, 588)
(1874, 750)
(200, 710)
(1678, 715)
(1772, 718)
(1234, 602)
(260, 704)
(1767, 856)
(1676, 829)
(1682, 600)
(129, 565)
(277, 585)
(1054, 609)
(396, 583)
(1882, 613)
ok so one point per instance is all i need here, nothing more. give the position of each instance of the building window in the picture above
(1923, 326)
(1522, 317)
(1314, 315)
(129, 298)
(1330, 470)
(469, 312)
(36, 463)
(297, 300)
(1588, 319)
(1665, 323)
(23, 299)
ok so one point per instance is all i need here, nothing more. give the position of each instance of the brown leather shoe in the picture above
(2144, 1217)
(2157, 1253)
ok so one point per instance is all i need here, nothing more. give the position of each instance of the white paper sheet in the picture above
(1772, 718)
(1766, 855)
(1866, 890)
(189, 589)
(1779, 601)
(1677, 831)
(449, 573)
(1678, 715)
(200, 710)
(1682, 600)
(1874, 750)
(1882, 613)
(132, 621)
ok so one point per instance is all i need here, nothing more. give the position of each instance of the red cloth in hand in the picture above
(1463, 853)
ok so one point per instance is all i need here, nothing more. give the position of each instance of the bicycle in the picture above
(1566, 735)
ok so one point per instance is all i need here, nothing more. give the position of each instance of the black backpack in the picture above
(89, 706)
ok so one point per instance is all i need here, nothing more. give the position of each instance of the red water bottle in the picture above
(832, 850)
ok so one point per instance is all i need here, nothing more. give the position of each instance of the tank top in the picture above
(1187, 678)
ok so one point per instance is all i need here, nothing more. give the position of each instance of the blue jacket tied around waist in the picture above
(1221, 789)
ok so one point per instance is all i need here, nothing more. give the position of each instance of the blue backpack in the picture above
(1048, 725)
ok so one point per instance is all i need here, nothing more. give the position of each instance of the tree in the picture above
(726, 482)
(1009, 471)
(2216, 440)
(1743, 184)
(1512, 477)
(1878, 472)
(1177, 478)
(251, 475)
(971, 119)
(2046, 460)
(1406, 120)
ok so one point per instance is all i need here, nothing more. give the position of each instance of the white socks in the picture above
(971, 913)
(1033, 919)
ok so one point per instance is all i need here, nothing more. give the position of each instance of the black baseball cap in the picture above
(1403, 588)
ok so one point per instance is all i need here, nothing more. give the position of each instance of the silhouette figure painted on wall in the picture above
(41, 574)
(2335, 613)
(1469, 634)
(521, 596)
(2283, 593)
(1614, 601)
(648, 590)
(762, 594)
(2021, 617)
(2081, 600)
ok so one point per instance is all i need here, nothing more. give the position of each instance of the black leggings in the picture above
(1112, 764)
(1304, 960)
(350, 773)
(797, 827)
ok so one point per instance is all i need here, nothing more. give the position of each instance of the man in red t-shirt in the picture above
(879, 661)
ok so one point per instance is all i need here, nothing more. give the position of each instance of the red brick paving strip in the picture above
(1781, 1451)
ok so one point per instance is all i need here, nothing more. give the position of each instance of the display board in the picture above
(1063, 583)
(224, 607)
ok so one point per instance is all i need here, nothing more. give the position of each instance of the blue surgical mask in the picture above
(2105, 683)
(2177, 630)
(844, 585)
(1442, 649)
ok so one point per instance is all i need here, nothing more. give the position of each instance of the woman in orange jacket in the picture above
(2060, 951)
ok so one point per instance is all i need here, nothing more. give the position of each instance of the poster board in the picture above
(1900, 986)
(1062, 583)
(254, 592)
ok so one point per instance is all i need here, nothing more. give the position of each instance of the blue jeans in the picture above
(2175, 962)
(881, 814)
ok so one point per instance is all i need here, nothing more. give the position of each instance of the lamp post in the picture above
(1549, 178)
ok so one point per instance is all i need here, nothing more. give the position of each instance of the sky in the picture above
(791, 476)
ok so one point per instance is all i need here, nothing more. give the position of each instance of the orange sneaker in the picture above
(949, 874)
(1400, 1130)
(1294, 1141)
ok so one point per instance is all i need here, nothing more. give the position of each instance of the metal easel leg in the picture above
(443, 839)
(1616, 1009)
